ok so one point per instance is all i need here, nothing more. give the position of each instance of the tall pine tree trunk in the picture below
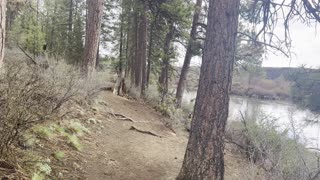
(164, 76)
(2, 29)
(134, 46)
(93, 28)
(70, 18)
(188, 56)
(117, 88)
(144, 48)
(138, 62)
(150, 53)
(139, 65)
(204, 158)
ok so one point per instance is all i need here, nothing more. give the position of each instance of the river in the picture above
(286, 113)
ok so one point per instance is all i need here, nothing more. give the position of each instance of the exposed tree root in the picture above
(144, 132)
(122, 117)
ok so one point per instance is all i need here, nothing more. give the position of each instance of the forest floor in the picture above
(135, 144)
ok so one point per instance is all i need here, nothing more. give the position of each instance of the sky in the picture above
(305, 49)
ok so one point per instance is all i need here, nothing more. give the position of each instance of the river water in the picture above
(287, 114)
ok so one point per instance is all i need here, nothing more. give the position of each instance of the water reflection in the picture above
(289, 115)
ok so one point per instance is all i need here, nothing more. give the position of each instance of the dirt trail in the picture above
(114, 152)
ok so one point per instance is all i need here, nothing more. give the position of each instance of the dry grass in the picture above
(31, 97)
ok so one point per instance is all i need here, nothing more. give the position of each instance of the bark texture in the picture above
(2, 29)
(204, 158)
(188, 56)
(93, 28)
(144, 48)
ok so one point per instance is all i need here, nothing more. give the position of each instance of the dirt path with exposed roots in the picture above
(134, 144)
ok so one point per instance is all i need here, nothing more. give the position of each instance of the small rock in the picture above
(111, 162)
(76, 166)
(94, 109)
(92, 121)
(108, 173)
(40, 145)
(60, 175)
(80, 113)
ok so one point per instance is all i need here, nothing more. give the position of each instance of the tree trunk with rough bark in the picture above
(150, 52)
(117, 89)
(2, 29)
(164, 76)
(138, 63)
(93, 28)
(132, 38)
(141, 48)
(98, 57)
(70, 18)
(144, 48)
(204, 158)
(188, 56)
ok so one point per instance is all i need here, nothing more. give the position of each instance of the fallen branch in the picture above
(32, 60)
(144, 132)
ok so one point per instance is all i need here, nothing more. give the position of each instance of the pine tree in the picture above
(93, 28)
(204, 158)
(189, 53)
(27, 31)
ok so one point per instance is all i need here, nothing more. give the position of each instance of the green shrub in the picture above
(272, 147)
(38, 176)
(29, 140)
(77, 128)
(74, 142)
(59, 155)
(44, 132)
(59, 129)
